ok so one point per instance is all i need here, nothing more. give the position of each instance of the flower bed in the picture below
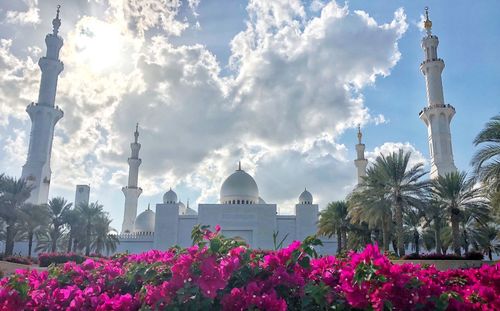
(222, 274)
(19, 259)
(434, 256)
(45, 259)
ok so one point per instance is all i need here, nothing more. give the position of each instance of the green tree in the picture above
(13, 194)
(400, 185)
(334, 220)
(58, 206)
(486, 160)
(105, 237)
(89, 214)
(435, 221)
(367, 204)
(412, 221)
(75, 224)
(456, 194)
(34, 219)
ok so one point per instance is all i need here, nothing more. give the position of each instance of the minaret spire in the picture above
(436, 115)
(360, 161)
(132, 191)
(360, 135)
(136, 133)
(56, 22)
(44, 115)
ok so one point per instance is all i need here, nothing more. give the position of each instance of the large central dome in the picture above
(239, 188)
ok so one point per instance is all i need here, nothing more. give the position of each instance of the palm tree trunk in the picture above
(339, 242)
(455, 232)
(416, 240)
(490, 255)
(437, 237)
(87, 242)
(54, 237)
(385, 234)
(70, 242)
(343, 232)
(466, 241)
(30, 243)
(399, 228)
(9, 240)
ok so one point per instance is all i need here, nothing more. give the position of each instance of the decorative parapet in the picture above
(136, 236)
(435, 106)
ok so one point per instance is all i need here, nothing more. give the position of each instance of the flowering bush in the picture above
(45, 259)
(223, 274)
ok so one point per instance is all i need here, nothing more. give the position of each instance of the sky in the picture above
(278, 85)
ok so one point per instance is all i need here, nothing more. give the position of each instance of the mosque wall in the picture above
(166, 225)
(285, 228)
(255, 222)
(306, 220)
(186, 224)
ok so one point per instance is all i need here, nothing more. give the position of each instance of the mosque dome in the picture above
(145, 222)
(261, 201)
(190, 211)
(239, 188)
(305, 197)
(182, 208)
(170, 197)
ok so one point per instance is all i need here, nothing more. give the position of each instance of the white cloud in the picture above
(295, 85)
(390, 147)
(29, 17)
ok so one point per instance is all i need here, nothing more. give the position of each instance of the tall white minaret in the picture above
(360, 161)
(132, 191)
(437, 115)
(44, 116)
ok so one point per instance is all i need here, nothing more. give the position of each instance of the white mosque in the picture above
(241, 212)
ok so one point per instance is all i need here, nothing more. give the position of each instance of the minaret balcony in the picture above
(427, 113)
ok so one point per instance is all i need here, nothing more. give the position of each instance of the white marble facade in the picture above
(242, 214)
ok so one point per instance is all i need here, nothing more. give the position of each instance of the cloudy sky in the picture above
(280, 85)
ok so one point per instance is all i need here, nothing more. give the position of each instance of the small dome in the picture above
(305, 197)
(145, 222)
(190, 211)
(182, 208)
(239, 188)
(170, 197)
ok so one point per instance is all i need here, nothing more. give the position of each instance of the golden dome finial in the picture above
(427, 22)
(360, 135)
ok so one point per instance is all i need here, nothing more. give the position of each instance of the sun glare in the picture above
(100, 45)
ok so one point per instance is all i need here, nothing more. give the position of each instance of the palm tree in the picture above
(400, 186)
(13, 193)
(75, 223)
(486, 161)
(105, 238)
(486, 240)
(434, 220)
(334, 220)
(33, 220)
(90, 214)
(456, 195)
(368, 205)
(412, 221)
(58, 206)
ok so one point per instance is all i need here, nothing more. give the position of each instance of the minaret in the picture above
(44, 116)
(360, 162)
(437, 115)
(132, 191)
